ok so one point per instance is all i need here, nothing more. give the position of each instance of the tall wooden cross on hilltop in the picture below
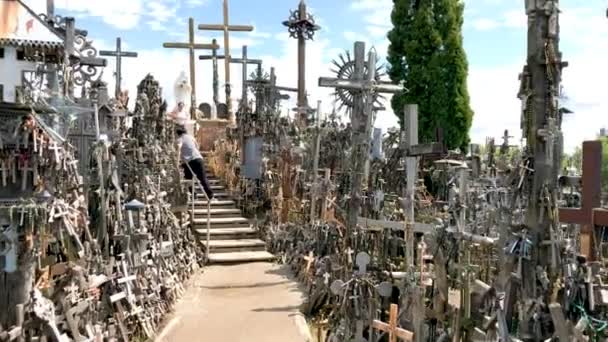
(191, 46)
(118, 53)
(226, 28)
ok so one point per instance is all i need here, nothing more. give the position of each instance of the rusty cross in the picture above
(191, 46)
(118, 53)
(227, 28)
(590, 214)
(391, 328)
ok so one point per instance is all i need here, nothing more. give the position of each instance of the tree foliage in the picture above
(426, 53)
(604, 163)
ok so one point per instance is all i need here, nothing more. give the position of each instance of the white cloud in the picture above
(350, 35)
(512, 19)
(196, 3)
(484, 24)
(118, 13)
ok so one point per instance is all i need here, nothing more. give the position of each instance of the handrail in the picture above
(208, 209)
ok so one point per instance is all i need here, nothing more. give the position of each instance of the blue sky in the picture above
(494, 35)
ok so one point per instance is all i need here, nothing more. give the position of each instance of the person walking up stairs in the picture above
(232, 237)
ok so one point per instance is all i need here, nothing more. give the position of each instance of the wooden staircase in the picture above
(232, 237)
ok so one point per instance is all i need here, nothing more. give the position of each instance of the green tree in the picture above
(426, 53)
(574, 160)
(604, 163)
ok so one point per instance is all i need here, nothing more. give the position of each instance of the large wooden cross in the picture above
(118, 53)
(364, 88)
(227, 28)
(191, 46)
(590, 215)
(391, 327)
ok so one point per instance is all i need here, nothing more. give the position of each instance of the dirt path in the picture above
(248, 302)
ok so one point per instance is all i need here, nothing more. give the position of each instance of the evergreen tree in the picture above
(426, 53)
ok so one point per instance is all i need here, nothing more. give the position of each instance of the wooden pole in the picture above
(315, 165)
(411, 166)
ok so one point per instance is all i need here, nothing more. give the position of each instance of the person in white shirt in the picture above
(191, 156)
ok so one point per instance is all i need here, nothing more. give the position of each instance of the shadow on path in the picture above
(226, 287)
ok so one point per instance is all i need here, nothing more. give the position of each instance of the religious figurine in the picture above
(182, 92)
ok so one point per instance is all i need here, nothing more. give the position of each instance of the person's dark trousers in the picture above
(198, 167)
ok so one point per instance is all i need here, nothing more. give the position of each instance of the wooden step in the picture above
(218, 195)
(210, 180)
(215, 221)
(202, 212)
(240, 257)
(230, 233)
(217, 203)
(238, 245)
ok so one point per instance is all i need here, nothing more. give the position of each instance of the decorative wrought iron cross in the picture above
(191, 46)
(590, 214)
(227, 28)
(273, 91)
(302, 26)
(118, 53)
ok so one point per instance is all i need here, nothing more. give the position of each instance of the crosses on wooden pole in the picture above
(227, 28)
(214, 57)
(364, 88)
(191, 46)
(118, 53)
(590, 215)
(301, 25)
(394, 332)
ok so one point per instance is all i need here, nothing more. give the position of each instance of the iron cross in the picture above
(118, 54)
(271, 89)
(191, 46)
(227, 28)
(301, 25)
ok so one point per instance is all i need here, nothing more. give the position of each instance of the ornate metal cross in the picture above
(589, 215)
(301, 25)
(272, 89)
(191, 46)
(118, 53)
(226, 28)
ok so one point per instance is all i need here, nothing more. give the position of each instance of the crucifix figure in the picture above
(364, 87)
(191, 46)
(226, 28)
(589, 215)
(118, 54)
(301, 25)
